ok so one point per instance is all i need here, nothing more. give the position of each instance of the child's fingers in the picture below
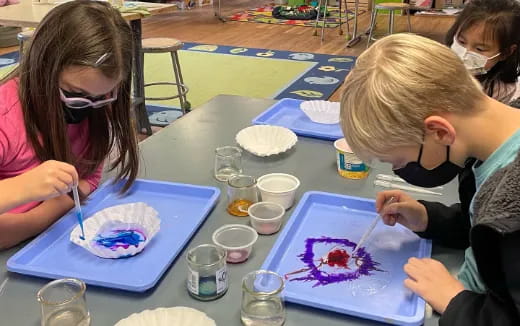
(390, 209)
(71, 171)
(60, 188)
(411, 270)
(66, 179)
(383, 196)
(412, 285)
(390, 220)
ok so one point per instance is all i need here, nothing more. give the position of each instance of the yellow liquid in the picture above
(239, 207)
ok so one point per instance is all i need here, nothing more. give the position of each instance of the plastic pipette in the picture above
(392, 178)
(79, 213)
(387, 177)
(388, 184)
(371, 227)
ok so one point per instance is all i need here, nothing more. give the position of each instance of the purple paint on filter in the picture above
(364, 264)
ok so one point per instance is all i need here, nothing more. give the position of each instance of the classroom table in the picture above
(29, 14)
(184, 152)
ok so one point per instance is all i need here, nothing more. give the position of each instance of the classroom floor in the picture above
(200, 25)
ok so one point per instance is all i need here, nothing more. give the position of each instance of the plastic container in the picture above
(287, 113)
(278, 188)
(266, 217)
(324, 223)
(349, 165)
(237, 240)
(43, 256)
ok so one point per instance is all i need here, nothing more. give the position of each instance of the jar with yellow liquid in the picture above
(242, 193)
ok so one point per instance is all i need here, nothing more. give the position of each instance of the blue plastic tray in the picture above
(319, 225)
(287, 113)
(182, 208)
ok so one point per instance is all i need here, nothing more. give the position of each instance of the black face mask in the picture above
(414, 173)
(74, 116)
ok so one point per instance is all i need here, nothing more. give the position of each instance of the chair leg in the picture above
(371, 17)
(372, 21)
(340, 16)
(346, 14)
(372, 26)
(409, 23)
(181, 79)
(324, 19)
(391, 23)
(20, 52)
(317, 20)
(178, 81)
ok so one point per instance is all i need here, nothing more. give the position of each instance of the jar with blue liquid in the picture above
(207, 272)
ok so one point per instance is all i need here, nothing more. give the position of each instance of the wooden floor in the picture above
(200, 25)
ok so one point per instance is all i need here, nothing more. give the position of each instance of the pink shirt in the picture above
(17, 155)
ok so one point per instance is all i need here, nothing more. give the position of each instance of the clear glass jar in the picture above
(262, 300)
(63, 302)
(228, 162)
(207, 272)
(242, 193)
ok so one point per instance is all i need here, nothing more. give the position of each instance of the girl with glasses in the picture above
(62, 112)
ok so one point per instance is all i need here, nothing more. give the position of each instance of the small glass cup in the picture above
(207, 272)
(262, 300)
(63, 303)
(242, 193)
(228, 162)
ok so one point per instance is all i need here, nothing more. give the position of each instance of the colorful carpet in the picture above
(265, 15)
(211, 70)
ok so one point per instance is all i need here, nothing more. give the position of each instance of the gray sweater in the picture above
(495, 239)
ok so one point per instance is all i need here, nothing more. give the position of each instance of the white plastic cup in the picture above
(266, 217)
(278, 188)
(237, 240)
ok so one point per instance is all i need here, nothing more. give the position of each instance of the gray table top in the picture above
(184, 152)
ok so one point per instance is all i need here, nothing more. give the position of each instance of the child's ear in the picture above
(513, 48)
(440, 129)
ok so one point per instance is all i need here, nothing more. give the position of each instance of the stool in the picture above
(171, 45)
(23, 37)
(325, 6)
(392, 8)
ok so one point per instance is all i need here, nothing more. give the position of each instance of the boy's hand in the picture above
(48, 180)
(432, 281)
(405, 210)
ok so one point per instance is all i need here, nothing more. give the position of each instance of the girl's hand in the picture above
(432, 281)
(48, 180)
(405, 210)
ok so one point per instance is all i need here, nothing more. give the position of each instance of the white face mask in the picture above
(474, 62)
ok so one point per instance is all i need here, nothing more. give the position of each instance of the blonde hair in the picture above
(396, 84)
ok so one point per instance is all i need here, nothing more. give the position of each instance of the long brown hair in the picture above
(79, 33)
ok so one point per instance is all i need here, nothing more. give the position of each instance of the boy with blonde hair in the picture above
(410, 101)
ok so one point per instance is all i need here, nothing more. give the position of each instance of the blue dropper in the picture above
(79, 214)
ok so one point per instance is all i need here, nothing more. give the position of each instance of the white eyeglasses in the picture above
(84, 102)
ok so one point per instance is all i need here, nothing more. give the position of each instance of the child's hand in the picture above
(432, 281)
(48, 180)
(405, 210)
